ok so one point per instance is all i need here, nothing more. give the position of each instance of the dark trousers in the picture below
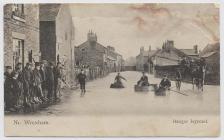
(83, 86)
(50, 90)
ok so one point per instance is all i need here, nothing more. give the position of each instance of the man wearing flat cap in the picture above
(27, 79)
(37, 82)
(7, 87)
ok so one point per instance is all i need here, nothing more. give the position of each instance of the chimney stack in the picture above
(196, 49)
(149, 48)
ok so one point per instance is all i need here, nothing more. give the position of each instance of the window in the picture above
(18, 12)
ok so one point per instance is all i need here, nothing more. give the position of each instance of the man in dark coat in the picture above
(8, 88)
(118, 79)
(82, 81)
(43, 77)
(165, 82)
(57, 81)
(27, 80)
(50, 81)
(163, 86)
(19, 74)
(37, 83)
(144, 80)
(16, 91)
(178, 78)
(19, 70)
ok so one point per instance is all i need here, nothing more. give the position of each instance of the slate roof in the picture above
(99, 46)
(149, 53)
(209, 54)
(210, 48)
(49, 12)
(189, 52)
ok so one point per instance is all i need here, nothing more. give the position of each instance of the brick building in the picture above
(57, 35)
(91, 52)
(21, 34)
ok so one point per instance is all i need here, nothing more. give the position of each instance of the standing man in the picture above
(37, 83)
(178, 78)
(43, 78)
(19, 74)
(57, 81)
(27, 79)
(16, 91)
(50, 81)
(8, 88)
(82, 81)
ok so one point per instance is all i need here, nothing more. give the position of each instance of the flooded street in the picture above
(102, 100)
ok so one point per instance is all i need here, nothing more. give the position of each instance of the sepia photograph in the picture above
(111, 69)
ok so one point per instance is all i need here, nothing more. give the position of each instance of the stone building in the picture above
(119, 63)
(57, 35)
(91, 53)
(211, 54)
(21, 34)
(111, 59)
(169, 58)
(144, 58)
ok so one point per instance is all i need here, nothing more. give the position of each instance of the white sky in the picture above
(127, 27)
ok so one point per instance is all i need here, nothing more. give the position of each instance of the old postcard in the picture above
(137, 69)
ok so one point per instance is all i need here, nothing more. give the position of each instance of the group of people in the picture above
(164, 84)
(34, 84)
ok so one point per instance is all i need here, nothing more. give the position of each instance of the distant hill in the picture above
(131, 61)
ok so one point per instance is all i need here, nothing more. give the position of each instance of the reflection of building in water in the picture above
(57, 35)
(21, 33)
(94, 54)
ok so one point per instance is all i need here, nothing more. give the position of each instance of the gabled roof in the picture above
(49, 12)
(149, 53)
(189, 52)
(209, 54)
(87, 44)
(210, 48)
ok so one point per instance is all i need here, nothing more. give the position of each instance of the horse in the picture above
(197, 77)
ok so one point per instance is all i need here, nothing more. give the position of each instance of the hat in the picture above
(37, 64)
(28, 64)
(44, 61)
(8, 67)
(51, 64)
(14, 74)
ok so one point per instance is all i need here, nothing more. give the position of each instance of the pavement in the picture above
(101, 100)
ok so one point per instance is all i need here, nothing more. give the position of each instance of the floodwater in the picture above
(100, 99)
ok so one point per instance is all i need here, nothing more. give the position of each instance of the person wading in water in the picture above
(82, 81)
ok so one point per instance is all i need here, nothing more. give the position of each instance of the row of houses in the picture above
(93, 54)
(36, 32)
(166, 59)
